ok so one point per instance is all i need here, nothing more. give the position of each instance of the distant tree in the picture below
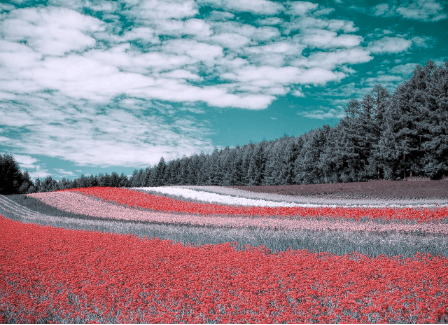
(159, 179)
(49, 185)
(115, 179)
(354, 145)
(388, 150)
(37, 186)
(63, 183)
(124, 182)
(106, 180)
(181, 170)
(146, 178)
(92, 181)
(274, 160)
(84, 181)
(192, 170)
(228, 164)
(287, 159)
(380, 98)
(305, 167)
(10, 175)
(256, 165)
(328, 161)
(215, 169)
(246, 156)
(27, 183)
(137, 179)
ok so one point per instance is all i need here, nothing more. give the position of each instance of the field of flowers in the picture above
(217, 255)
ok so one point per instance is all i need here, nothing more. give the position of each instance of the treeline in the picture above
(383, 136)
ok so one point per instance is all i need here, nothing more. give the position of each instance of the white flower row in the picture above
(214, 197)
(237, 198)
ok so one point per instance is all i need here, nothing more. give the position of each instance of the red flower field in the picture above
(56, 275)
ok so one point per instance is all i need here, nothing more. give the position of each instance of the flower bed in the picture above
(68, 276)
(50, 274)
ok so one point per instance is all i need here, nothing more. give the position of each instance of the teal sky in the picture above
(100, 86)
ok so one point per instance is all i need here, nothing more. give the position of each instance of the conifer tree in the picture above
(160, 175)
(434, 125)
(256, 166)
(287, 159)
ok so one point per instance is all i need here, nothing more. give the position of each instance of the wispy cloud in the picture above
(389, 45)
(64, 172)
(39, 173)
(323, 113)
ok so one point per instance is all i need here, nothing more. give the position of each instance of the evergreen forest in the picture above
(383, 136)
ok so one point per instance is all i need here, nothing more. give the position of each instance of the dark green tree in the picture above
(10, 176)
(256, 165)
(27, 183)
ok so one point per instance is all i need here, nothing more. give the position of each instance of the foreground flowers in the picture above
(58, 275)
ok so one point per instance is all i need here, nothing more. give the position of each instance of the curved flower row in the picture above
(238, 198)
(213, 197)
(160, 203)
(83, 205)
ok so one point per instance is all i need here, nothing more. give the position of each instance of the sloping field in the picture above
(218, 255)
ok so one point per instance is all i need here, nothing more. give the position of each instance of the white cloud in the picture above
(303, 23)
(380, 9)
(117, 138)
(302, 7)
(269, 21)
(52, 31)
(146, 34)
(64, 172)
(198, 51)
(254, 6)
(268, 76)
(330, 60)
(181, 74)
(39, 173)
(196, 27)
(298, 93)
(154, 10)
(230, 40)
(220, 15)
(404, 69)
(323, 113)
(424, 10)
(25, 161)
(323, 12)
(321, 38)
(422, 41)
(6, 7)
(389, 45)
